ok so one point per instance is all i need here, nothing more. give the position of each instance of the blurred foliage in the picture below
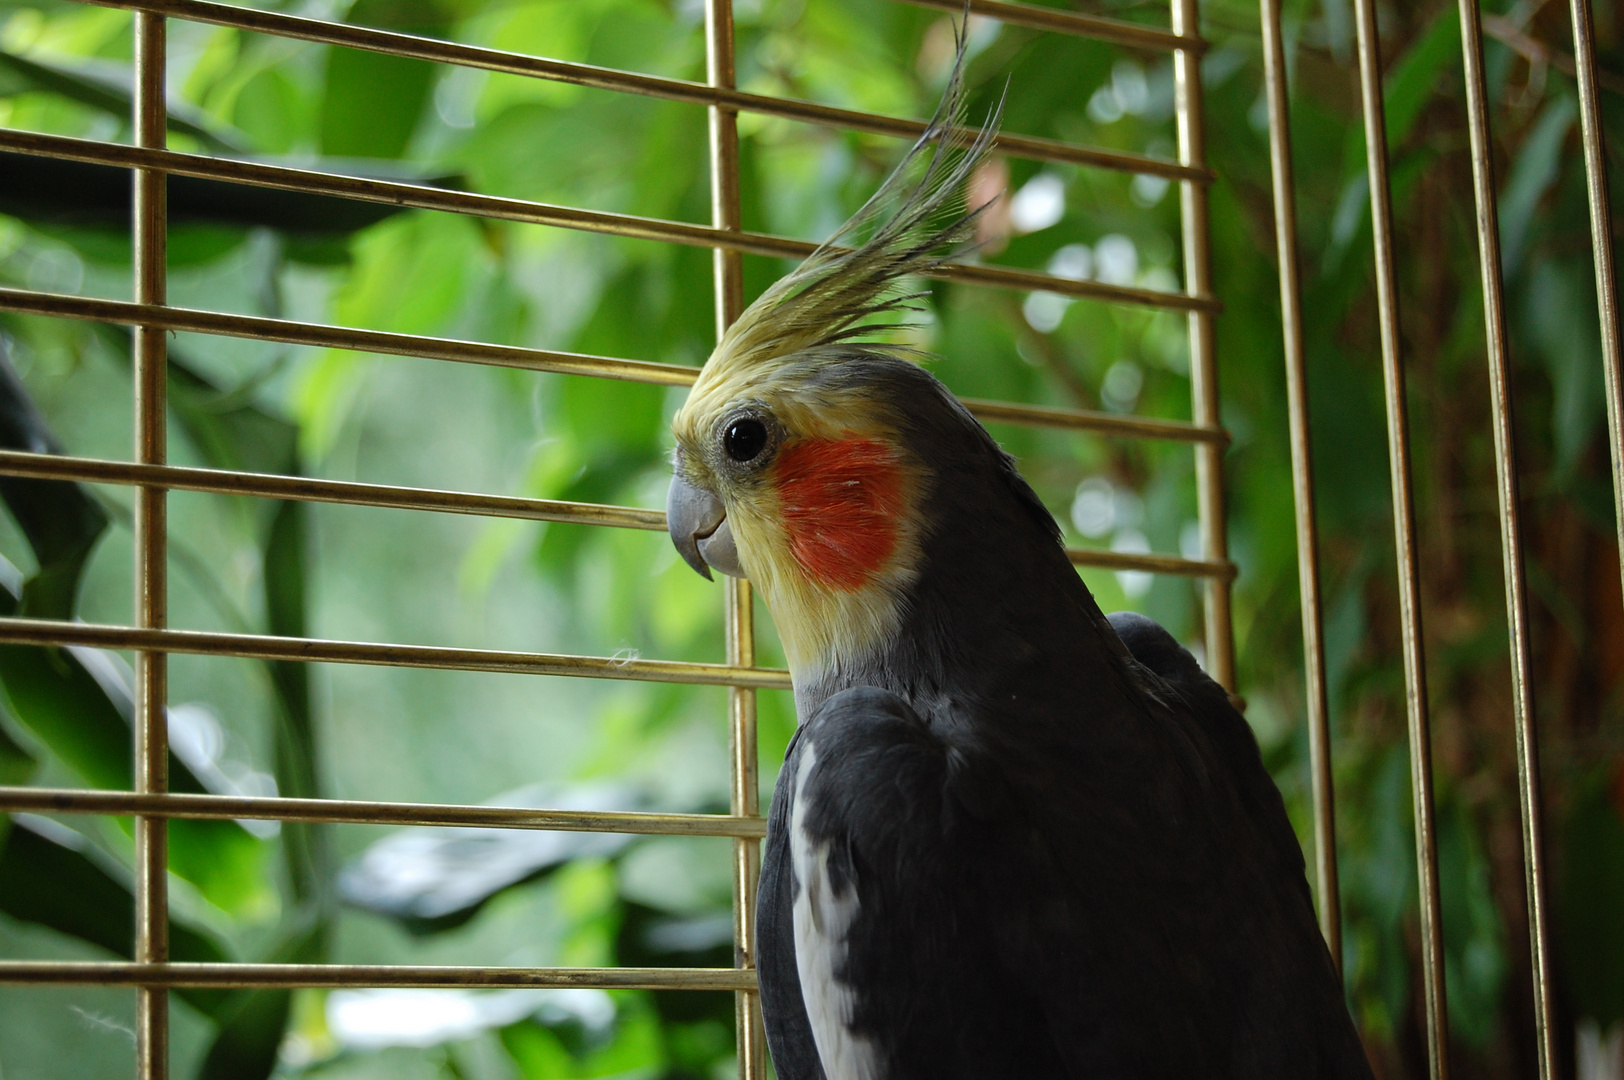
(265, 893)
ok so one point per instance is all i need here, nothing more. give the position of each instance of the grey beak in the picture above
(697, 521)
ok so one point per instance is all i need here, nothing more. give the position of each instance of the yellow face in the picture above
(819, 496)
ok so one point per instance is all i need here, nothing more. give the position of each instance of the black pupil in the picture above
(745, 439)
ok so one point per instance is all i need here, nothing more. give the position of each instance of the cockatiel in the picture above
(1012, 838)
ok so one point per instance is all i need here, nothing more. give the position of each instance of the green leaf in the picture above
(305, 846)
(1537, 167)
(1474, 939)
(60, 521)
(225, 426)
(107, 91)
(271, 109)
(232, 432)
(1560, 317)
(253, 1022)
(1409, 84)
(1593, 895)
(373, 102)
(653, 938)
(51, 694)
(77, 702)
(1411, 81)
(53, 191)
(51, 876)
(17, 765)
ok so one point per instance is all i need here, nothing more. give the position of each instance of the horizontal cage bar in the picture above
(351, 493)
(424, 197)
(474, 352)
(395, 43)
(310, 489)
(364, 812)
(1113, 31)
(332, 976)
(266, 647)
(1155, 564)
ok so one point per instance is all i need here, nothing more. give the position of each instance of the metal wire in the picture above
(1076, 24)
(388, 343)
(159, 978)
(360, 812)
(1328, 890)
(1209, 458)
(394, 43)
(149, 237)
(1505, 462)
(739, 615)
(16, 631)
(1409, 575)
(352, 493)
(308, 489)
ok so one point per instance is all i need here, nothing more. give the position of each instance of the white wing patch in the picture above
(821, 922)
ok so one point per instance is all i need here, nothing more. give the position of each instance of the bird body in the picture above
(1011, 837)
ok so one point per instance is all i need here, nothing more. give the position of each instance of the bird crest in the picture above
(831, 307)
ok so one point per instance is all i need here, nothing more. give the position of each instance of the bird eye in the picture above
(745, 439)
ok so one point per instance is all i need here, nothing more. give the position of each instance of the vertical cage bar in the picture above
(1409, 571)
(1302, 481)
(1209, 457)
(740, 615)
(1601, 235)
(746, 800)
(1505, 464)
(148, 238)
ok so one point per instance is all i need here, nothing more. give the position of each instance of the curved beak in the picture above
(697, 521)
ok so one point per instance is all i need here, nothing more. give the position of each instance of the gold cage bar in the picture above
(160, 977)
(1077, 24)
(1507, 492)
(151, 477)
(744, 782)
(16, 631)
(149, 239)
(1327, 888)
(390, 343)
(1209, 460)
(1409, 574)
(387, 496)
(362, 812)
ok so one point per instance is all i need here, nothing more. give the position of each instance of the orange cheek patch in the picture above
(841, 500)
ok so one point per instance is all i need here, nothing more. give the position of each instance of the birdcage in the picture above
(154, 974)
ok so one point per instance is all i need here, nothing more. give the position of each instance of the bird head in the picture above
(794, 463)
(803, 480)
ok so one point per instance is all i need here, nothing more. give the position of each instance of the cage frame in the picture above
(150, 475)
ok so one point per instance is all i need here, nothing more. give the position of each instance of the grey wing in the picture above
(789, 1033)
(886, 844)
(1288, 967)
(1230, 735)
